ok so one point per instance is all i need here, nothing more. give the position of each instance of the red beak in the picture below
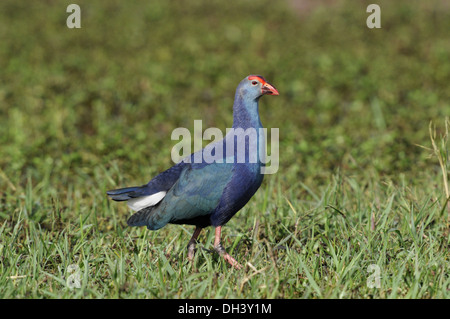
(269, 89)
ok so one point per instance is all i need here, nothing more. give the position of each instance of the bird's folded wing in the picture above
(196, 193)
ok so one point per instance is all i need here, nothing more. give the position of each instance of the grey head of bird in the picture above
(253, 87)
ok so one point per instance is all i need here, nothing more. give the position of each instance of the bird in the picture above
(203, 192)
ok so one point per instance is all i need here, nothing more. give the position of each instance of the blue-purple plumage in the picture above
(204, 193)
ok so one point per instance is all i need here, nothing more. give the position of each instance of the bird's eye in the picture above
(254, 82)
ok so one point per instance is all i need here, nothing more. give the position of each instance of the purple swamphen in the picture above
(208, 192)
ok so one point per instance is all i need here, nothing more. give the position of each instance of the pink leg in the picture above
(222, 252)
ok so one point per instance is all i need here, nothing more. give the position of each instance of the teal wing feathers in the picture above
(196, 193)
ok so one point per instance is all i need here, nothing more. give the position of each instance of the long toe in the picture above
(232, 261)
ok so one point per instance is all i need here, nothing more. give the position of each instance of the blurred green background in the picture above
(350, 96)
(90, 109)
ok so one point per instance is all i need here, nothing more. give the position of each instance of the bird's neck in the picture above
(247, 127)
(245, 113)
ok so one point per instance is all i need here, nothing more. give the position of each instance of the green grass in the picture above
(84, 111)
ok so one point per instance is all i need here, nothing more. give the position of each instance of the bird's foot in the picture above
(222, 252)
(232, 261)
(192, 243)
(191, 250)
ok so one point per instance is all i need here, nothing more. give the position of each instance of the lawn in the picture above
(357, 209)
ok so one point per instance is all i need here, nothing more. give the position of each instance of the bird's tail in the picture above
(139, 200)
(127, 193)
